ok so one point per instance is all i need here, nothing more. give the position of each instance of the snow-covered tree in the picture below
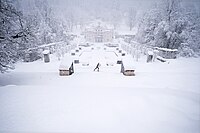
(12, 33)
(171, 24)
(147, 25)
(191, 33)
(23, 30)
(167, 34)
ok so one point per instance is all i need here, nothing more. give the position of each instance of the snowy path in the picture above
(160, 98)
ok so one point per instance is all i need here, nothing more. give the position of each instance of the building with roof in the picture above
(99, 32)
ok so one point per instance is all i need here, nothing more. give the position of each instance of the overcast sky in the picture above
(97, 5)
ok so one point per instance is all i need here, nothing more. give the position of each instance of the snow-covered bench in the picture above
(127, 66)
(66, 67)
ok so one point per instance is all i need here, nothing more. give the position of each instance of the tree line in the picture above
(20, 31)
(171, 24)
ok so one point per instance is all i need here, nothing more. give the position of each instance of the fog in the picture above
(92, 9)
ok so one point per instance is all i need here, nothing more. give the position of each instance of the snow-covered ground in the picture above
(161, 98)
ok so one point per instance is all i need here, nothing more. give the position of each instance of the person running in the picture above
(97, 67)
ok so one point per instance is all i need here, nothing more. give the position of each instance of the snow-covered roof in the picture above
(66, 62)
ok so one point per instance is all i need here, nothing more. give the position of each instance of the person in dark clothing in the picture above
(97, 67)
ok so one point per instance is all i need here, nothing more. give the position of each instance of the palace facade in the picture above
(99, 32)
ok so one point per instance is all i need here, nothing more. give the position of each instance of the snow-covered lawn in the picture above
(161, 98)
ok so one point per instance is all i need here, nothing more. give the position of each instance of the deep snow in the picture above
(161, 98)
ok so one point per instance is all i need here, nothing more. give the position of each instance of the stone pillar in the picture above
(46, 56)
